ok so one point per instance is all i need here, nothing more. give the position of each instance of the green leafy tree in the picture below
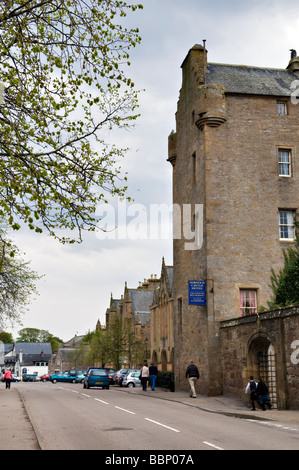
(63, 65)
(78, 356)
(285, 284)
(100, 348)
(133, 345)
(34, 335)
(17, 282)
(6, 337)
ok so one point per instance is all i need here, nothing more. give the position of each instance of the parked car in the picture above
(112, 377)
(45, 377)
(29, 377)
(118, 375)
(63, 377)
(80, 377)
(75, 372)
(111, 373)
(127, 371)
(131, 379)
(96, 377)
(15, 378)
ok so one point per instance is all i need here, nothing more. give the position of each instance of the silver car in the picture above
(131, 379)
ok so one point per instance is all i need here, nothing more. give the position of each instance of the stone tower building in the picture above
(235, 163)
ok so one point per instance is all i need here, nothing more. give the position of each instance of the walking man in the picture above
(251, 386)
(153, 371)
(192, 374)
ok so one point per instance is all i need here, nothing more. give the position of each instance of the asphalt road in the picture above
(68, 417)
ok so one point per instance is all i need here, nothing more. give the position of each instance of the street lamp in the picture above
(146, 342)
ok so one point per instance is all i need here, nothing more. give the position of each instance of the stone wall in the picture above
(242, 339)
(224, 154)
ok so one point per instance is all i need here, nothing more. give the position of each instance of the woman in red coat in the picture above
(7, 378)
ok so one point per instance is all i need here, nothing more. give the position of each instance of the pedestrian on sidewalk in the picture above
(144, 374)
(192, 374)
(252, 386)
(263, 395)
(7, 378)
(153, 372)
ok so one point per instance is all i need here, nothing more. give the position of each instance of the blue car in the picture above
(96, 377)
(64, 377)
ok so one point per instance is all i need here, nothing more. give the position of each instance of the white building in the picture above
(28, 358)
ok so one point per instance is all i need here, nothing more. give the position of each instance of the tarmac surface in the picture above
(17, 433)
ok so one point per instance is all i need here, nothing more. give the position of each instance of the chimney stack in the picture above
(294, 63)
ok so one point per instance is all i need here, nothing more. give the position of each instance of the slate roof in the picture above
(66, 353)
(32, 352)
(8, 348)
(141, 302)
(34, 348)
(251, 80)
(74, 341)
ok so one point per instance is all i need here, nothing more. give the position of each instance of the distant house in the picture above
(28, 358)
(67, 357)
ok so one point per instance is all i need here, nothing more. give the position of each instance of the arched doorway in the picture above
(164, 359)
(155, 357)
(261, 363)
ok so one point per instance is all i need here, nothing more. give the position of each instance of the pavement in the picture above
(17, 433)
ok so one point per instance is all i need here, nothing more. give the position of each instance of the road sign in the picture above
(197, 292)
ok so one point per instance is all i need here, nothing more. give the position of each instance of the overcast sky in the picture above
(78, 280)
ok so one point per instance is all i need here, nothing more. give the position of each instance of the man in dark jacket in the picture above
(263, 395)
(192, 374)
(153, 372)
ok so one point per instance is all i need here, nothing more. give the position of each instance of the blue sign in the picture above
(197, 292)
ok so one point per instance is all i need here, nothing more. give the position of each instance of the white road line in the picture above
(70, 390)
(84, 394)
(163, 425)
(212, 445)
(273, 425)
(123, 409)
(102, 401)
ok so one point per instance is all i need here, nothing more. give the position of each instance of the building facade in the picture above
(133, 311)
(28, 358)
(161, 322)
(235, 168)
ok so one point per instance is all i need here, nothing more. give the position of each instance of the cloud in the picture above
(79, 280)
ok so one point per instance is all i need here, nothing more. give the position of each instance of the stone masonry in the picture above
(225, 157)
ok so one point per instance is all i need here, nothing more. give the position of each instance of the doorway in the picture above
(262, 364)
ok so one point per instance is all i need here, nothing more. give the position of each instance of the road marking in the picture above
(163, 425)
(212, 445)
(84, 394)
(273, 425)
(70, 390)
(123, 409)
(102, 401)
